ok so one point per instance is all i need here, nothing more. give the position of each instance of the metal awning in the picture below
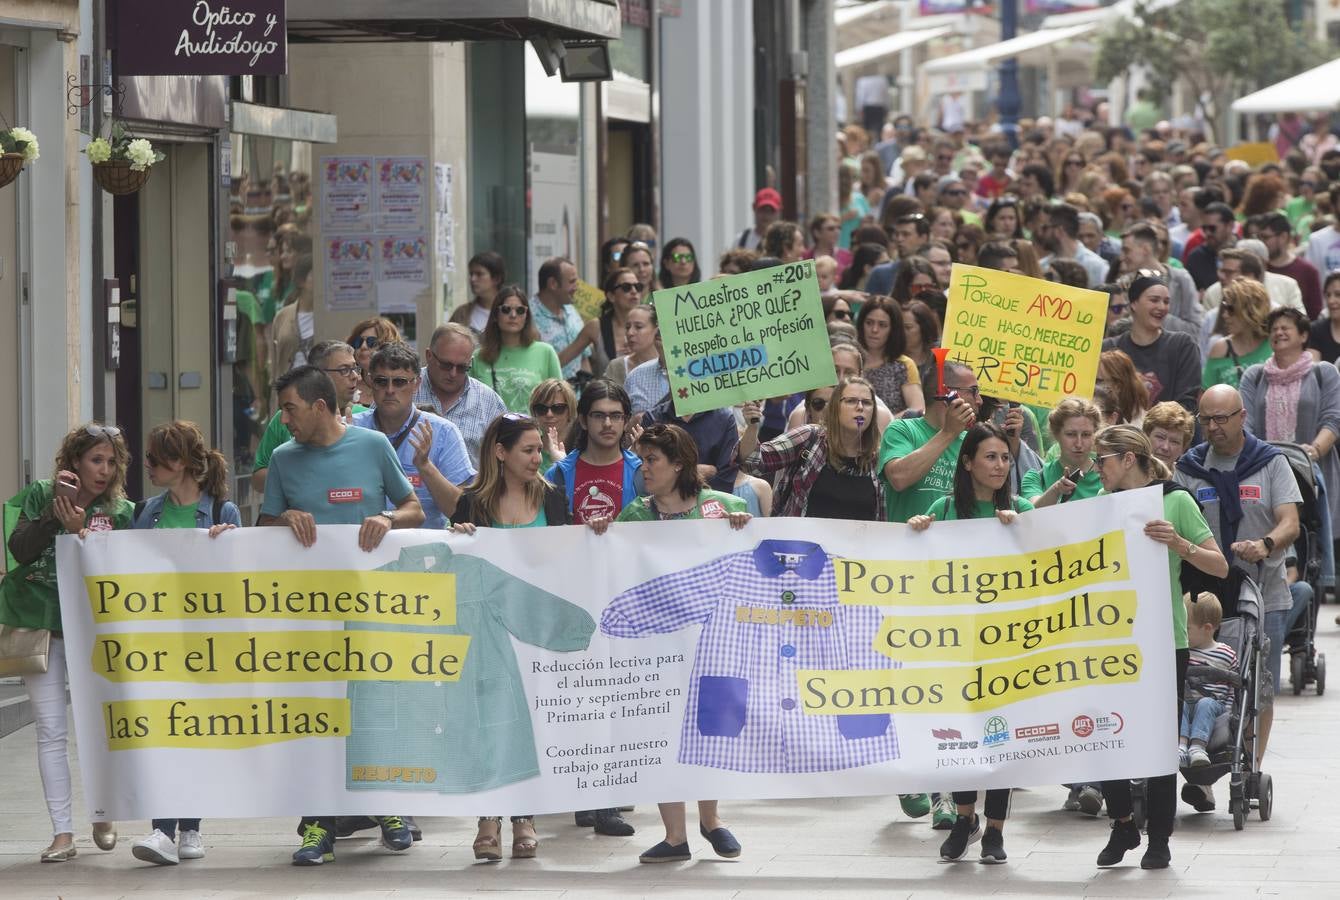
(984, 57)
(845, 15)
(1316, 90)
(889, 45)
(381, 21)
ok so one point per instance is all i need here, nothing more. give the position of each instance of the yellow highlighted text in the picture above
(222, 723)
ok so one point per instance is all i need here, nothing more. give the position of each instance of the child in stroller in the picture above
(1205, 701)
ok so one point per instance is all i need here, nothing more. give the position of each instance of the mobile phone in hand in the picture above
(67, 485)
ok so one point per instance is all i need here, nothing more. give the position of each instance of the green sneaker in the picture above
(318, 846)
(944, 814)
(915, 805)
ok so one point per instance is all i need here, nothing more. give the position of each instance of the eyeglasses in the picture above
(816, 404)
(98, 431)
(370, 341)
(629, 287)
(513, 311)
(450, 367)
(681, 257)
(973, 389)
(607, 418)
(1219, 419)
(1117, 308)
(857, 402)
(544, 409)
(345, 371)
(384, 381)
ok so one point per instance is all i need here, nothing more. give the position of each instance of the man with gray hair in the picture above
(446, 388)
(1091, 235)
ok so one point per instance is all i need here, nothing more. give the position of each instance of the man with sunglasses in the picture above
(1217, 227)
(1250, 499)
(446, 387)
(430, 449)
(336, 359)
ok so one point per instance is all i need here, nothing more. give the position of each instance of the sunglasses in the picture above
(98, 431)
(544, 409)
(370, 341)
(629, 287)
(1117, 308)
(681, 257)
(816, 403)
(384, 381)
(449, 367)
(513, 311)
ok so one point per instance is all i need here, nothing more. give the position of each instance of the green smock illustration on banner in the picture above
(746, 337)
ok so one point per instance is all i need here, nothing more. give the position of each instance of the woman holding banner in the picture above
(981, 491)
(194, 479)
(87, 493)
(1126, 462)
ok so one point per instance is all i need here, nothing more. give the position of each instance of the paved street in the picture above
(848, 847)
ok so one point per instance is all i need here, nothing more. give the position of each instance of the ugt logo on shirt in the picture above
(345, 495)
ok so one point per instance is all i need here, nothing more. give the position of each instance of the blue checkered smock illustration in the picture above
(475, 733)
(765, 615)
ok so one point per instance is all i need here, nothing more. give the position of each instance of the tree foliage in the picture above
(1221, 48)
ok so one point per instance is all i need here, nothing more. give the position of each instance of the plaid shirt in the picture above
(765, 615)
(476, 407)
(801, 454)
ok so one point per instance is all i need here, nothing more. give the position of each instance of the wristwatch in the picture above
(1269, 543)
(389, 514)
(1191, 549)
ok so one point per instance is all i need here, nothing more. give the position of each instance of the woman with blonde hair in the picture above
(1243, 314)
(86, 493)
(1070, 476)
(553, 405)
(365, 338)
(1170, 429)
(1117, 373)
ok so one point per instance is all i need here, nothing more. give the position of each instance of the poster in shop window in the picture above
(346, 193)
(449, 675)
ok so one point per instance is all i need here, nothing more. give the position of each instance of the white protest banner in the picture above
(553, 669)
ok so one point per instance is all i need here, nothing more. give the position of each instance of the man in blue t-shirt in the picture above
(333, 474)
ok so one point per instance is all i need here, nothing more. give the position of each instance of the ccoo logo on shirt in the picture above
(345, 495)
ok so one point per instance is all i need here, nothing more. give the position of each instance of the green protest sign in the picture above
(746, 337)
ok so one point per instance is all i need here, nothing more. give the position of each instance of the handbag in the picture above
(24, 651)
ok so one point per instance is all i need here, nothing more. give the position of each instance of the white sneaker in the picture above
(190, 845)
(1197, 756)
(157, 848)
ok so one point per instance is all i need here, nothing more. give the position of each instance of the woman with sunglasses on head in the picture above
(1003, 221)
(981, 491)
(611, 255)
(879, 327)
(512, 359)
(637, 256)
(676, 490)
(86, 494)
(679, 264)
(365, 338)
(1125, 461)
(1243, 316)
(553, 406)
(509, 492)
(194, 479)
(488, 272)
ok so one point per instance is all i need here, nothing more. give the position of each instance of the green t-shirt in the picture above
(174, 516)
(1180, 508)
(277, 434)
(1296, 209)
(540, 521)
(711, 505)
(1045, 440)
(1227, 370)
(1036, 481)
(903, 436)
(945, 511)
(28, 597)
(266, 301)
(517, 372)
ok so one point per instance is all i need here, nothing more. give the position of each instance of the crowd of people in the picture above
(1222, 334)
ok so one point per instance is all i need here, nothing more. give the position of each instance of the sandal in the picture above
(524, 840)
(486, 844)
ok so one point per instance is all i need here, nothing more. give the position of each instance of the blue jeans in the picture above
(1198, 718)
(1280, 622)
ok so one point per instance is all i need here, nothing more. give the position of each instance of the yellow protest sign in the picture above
(1028, 340)
(1255, 153)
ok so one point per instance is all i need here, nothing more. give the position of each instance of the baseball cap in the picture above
(767, 197)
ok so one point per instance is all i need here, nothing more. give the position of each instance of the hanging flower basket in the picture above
(121, 163)
(11, 164)
(117, 177)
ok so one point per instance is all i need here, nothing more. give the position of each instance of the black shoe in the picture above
(1199, 797)
(723, 842)
(1090, 800)
(1157, 855)
(1125, 836)
(993, 846)
(395, 833)
(966, 830)
(610, 822)
(585, 819)
(414, 830)
(664, 852)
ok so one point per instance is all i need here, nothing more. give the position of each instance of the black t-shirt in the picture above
(839, 495)
(1321, 340)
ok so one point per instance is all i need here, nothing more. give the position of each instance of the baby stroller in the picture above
(1232, 745)
(1306, 665)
